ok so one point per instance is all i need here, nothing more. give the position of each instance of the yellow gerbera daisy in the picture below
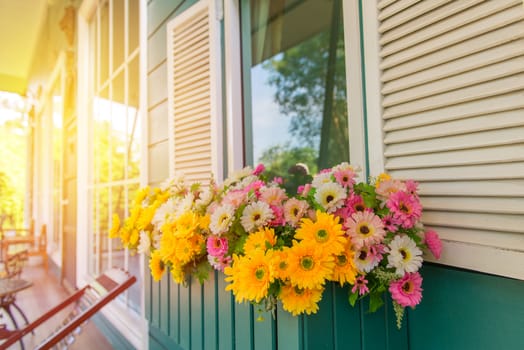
(280, 264)
(115, 229)
(204, 221)
(186, 224)
(156, 266)
(325, 232)
(309, 266)
(178, 275)
(167, 246)
(381, 178)
(145, 218)
(184, 250)
(298, 300)
(133, 238)
(263, 239)
(345, 269)
(250, 276)
(141, 195)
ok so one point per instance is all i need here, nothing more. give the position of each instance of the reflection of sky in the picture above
(270, 127)
(117, 113)
(57, 111)
(122, 118)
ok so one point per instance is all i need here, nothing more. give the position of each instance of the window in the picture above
(115, 133)
(295, 95)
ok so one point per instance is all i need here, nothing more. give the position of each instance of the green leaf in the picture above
(375, 301)
(202, 271)
(239, 244)
(353, 297)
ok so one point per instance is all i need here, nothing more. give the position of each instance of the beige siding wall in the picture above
(159, 12)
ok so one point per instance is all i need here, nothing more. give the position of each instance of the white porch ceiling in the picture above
(20, 25)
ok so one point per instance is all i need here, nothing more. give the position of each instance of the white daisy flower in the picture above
(246, 181)
(320, 179)
(184, 205)
(145, 243)
(238, 175)
(177, 179)
(330, 196)
(255, 215)
(343, 167)
(364, 260)
(156, 237)
(404, 255)
(163, 213)
(204, 198)
(221, 219)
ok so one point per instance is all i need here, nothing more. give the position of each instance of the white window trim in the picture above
(233, 83)
(45, 205)
(354, 69)
(477, 257)
(132, 326)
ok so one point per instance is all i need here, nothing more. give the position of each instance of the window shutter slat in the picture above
(193, 83)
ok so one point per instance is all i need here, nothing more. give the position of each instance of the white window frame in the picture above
(233, 83)
(43, 206)
(131, 325)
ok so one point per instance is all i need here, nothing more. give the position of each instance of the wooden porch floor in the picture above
(45, 293)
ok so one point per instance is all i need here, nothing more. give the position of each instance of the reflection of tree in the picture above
(303, 78)
(10, 208)
(281, 160)
(13, 136)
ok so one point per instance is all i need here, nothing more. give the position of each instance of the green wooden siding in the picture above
(460, 310)
(467, 310)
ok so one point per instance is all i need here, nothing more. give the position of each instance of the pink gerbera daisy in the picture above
(411, 187)
(235, 198)
(365, 228)
(259, 169)
(433, 242)
(254, 186)
(407, 291)
(278, 215)
(361, 284)
(389, 186)
(294, 210)
(389, 223)
(216, 246)
(272, 195)
(345, 177)
(219, 262)
(405, 208)
(355, 203)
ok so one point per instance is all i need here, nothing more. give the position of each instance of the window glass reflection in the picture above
(298, 85)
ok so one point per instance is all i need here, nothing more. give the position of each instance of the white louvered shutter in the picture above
(453, 115)
(194, 83)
